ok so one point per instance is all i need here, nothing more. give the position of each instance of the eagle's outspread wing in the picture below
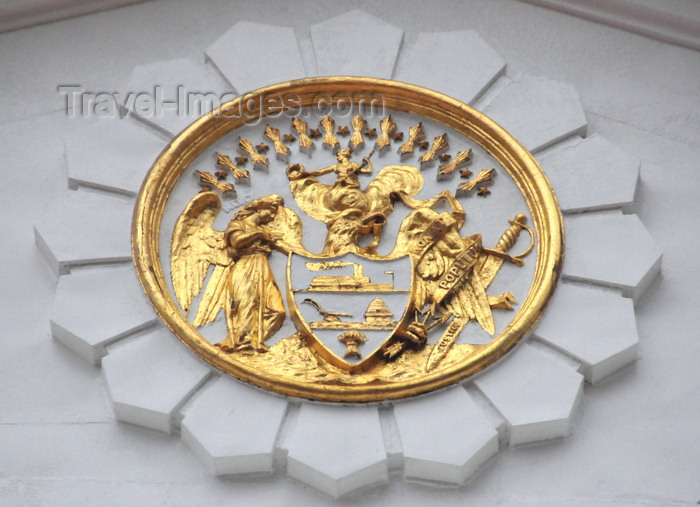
(309, 193)
(390, 179)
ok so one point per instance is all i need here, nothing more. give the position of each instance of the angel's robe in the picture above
(254, 308)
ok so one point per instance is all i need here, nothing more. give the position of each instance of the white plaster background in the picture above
(636, 437)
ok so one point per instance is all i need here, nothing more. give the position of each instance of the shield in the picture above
(348, 307)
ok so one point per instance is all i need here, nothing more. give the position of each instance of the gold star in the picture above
(208, 179)
(241, 160)
(288, 138)
(398, 136)
(423, 145)
(465, 173)
(221, 174)
(444, 157)
(343, 131)
(225, 161)
(262, 148)
(483, 191)
(371, 133)
(314, 133)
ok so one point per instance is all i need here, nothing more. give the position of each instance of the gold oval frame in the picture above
(192, 141)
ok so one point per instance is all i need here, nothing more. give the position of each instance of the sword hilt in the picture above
(508, 239)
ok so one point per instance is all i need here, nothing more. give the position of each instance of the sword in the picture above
(491, 264)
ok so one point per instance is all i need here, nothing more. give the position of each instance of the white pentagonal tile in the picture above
(534, 392)
(337, 449)
(576, 173)
(464, 442)
(392, 438)
(232, 427)
(171, 94)
(149, 377)
(252, 55)
(94, 307)
(355, 44)
(112, 154)
(611, 249)
(459, 64)
(85, 227)
(537, 112)
(594, 325)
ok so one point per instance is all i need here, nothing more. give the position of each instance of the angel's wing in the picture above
(309, 193)
(214, 296)
(195, 246)
(288, 228)
(390, 179)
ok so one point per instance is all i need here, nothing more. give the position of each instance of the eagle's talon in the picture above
(503, 301)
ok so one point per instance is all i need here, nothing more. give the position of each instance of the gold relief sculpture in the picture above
(374, 315)
(352, 340)
(439, 143)
(415, 134)
(328, 317)
(273, 135)
(377, 316)
(300, 127)
(484, 176)
(357, 282)
(207, 179)
(462, 157)
(259, 161)
(241, 283)
(358, 124)
(329, 138)
(387, 127)
(225, 161)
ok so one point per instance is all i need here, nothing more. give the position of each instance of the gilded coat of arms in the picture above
(346, 268)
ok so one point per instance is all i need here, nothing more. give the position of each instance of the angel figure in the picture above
(242, 282)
